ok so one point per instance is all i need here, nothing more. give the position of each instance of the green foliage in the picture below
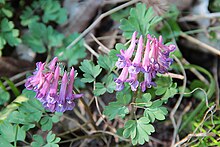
(51, 140)
(38, 141)
(23, 114)
(6, 10)
(165, 87)
(4, 143)
(90, 71)
(4, 96)
(152, 110)
(28, 17)
(214, 6)
(46, 122)
(117, 16)
(144, 101)
(47, 11)
(141, 19)
(212, 126)
(171, 29)
(12, 107)
(8, 34)
(9, 132)
(73, 54)
(138, 130)
(108, 85)
(41, 38)
(113, 53)
(118, 108)
(14, 89)
(53, 11)
(155, 111)
(106, 63)
(198, 93)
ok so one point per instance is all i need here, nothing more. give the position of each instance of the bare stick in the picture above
(178, 102)
(91, 50)
(196, 17)
(200, 43)
(98, 20)
(193, 135)
(105, 49)
(198, 74)
(173, 75)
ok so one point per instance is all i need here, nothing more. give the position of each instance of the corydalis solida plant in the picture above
(45, 82)
(155, 60)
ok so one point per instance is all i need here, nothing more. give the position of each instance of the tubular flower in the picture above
(124, 57)
(154, 59)
(45, 82)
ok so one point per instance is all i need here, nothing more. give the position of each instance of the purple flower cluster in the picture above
(148, 60)
(45, 82)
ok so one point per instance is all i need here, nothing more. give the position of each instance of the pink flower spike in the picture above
(61, 103)
(36, 81)
(133, 82)
(52, 64)
(121, 79)
(136, 64)
(54, 86)
(146, 60)
(70, 85)
(160, 39)
(124, 57)
(130, 50)
(63, 88)
(137, 58)
(45, 88)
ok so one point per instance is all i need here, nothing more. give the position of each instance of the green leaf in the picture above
(138, 130)
(12, 86)
(4, 142)
(141, 19)
(29, 112)
(155, 113)
(170, 92)
(117, 16)
(56, 117)
(115, 109)
(108, 85)
(170, 30)
(73, 54)
(198, 93)
(46, 123)
(7, 12)
(8, 34)
(40, 38)
(52, 140)
(90, 71)
(113, 53)
(53, 11)
(99, 89)
(2, 1)
(11, 107)
(106, 63)
(8, 132)
(28, 17)
(38, 141)
(118, 108)
(144, 101)
(165, 87)
(4, 96)
(214, 5)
